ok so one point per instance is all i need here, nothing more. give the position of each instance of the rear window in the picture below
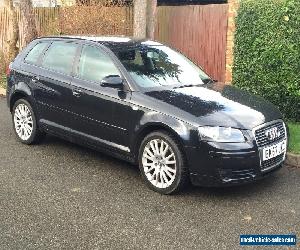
(34, 54)
(60, 57)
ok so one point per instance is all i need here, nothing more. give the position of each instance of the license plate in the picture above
(274, 150)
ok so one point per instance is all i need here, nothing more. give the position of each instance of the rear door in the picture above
(53, 89)
(95, 105)
(30, 69)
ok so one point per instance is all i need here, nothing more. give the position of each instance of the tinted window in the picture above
(94, 65)
(35, 53)
(60, 57)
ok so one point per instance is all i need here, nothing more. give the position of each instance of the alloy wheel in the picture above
(159, 163)
(23, 121)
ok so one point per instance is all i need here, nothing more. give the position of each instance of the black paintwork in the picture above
(115, 120)
(217, 104)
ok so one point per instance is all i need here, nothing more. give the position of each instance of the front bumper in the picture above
(226, 164)
(230, 177)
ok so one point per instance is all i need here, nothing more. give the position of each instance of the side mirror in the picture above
(112, 82)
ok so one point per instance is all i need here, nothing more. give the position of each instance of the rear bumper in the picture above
(220, 165)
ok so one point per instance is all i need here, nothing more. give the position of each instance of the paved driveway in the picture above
(59, 195)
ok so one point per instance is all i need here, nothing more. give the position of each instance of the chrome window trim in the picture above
(260, 148)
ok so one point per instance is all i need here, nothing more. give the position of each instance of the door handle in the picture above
(35, 79)
(77, 93)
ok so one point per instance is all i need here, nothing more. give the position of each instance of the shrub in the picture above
(267, 52)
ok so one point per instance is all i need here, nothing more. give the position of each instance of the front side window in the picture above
(156, 65)
(95, 65)
(34, 54)
(60, 57)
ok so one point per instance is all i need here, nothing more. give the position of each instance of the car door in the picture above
(96, 106)
(53, 85)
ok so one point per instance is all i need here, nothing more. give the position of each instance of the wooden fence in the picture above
(198, 31)
(74, 20)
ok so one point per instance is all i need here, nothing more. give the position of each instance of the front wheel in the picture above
(24, 121)
(162, 163)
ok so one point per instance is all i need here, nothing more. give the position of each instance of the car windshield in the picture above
(153, 66)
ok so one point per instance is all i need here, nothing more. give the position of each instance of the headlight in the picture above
(221, 134)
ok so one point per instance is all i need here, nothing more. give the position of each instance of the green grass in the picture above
(294, 144)
(3, 81)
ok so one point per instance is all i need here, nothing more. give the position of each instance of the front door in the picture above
(94, 106)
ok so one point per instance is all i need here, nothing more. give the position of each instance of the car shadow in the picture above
(130, 170)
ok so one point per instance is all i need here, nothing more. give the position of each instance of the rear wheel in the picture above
(24, 121)
(162, 163)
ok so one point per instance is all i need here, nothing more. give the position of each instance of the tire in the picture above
(24, 123)
(163, 169)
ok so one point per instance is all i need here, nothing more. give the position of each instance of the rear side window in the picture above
(60, 57)
(34, 54)
(94, 65)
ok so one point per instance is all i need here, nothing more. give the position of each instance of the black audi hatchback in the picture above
(141, 101)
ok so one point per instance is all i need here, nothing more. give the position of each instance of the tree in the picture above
(27, 15)
(144, 18)
(11, 49)
(140, 18)
(151, 19)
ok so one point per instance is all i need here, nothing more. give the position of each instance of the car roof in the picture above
(112, 42)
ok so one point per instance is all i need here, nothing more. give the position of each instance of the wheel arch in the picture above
(20, 90)
(152, 127)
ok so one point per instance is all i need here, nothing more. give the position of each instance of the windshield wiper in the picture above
(187, 85)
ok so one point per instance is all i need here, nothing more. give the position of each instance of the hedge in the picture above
(267, 52)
